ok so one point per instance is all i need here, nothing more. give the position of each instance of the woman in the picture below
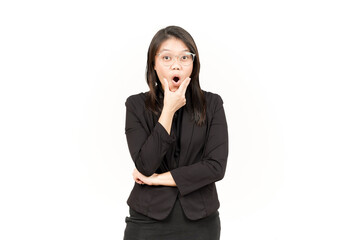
(178, 140)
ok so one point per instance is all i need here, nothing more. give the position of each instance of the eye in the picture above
(184, 57)
(166, 58)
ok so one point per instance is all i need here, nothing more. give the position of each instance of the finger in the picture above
(184, 85)
(166, 85)
(137, 178)
(136, 174)
(139, 181)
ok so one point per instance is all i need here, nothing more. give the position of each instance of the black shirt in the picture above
(172, 156)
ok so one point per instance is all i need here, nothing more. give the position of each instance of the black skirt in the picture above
(175, 227)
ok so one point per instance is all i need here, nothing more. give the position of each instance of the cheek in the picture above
(157, 68)
(189, 71)
(161, 73)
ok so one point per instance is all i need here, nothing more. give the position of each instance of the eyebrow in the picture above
(165, 49)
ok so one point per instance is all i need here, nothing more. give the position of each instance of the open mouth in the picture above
(176, 79)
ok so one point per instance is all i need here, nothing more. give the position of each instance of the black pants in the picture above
(175, 227)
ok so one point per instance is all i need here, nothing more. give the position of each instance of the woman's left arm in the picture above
(211, 168)
(164, 179)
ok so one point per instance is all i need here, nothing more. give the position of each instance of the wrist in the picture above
(155, 180)
(168, 111)
(164, 179)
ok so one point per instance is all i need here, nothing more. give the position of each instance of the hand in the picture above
(142, 179)
(163, 179)
(175, 100)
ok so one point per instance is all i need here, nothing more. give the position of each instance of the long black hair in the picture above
(154, 96)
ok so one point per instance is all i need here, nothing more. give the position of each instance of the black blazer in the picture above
(203, 157)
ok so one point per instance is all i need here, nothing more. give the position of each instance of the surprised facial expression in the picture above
(171, 63)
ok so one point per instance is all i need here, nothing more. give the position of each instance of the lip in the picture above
(178, 82)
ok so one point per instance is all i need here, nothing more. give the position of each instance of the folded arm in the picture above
(209, 169)
(164, 179)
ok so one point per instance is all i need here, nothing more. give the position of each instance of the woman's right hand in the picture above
(172, 102)
(175, 100)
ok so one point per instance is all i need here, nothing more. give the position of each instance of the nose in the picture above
(175, 65)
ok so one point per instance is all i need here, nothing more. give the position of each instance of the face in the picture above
(176, 73)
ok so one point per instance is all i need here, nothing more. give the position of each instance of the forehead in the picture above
(174, 45)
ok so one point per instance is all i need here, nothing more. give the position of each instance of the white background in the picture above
(288, 73)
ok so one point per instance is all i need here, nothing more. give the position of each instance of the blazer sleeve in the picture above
(211, 167)
(147, 149)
